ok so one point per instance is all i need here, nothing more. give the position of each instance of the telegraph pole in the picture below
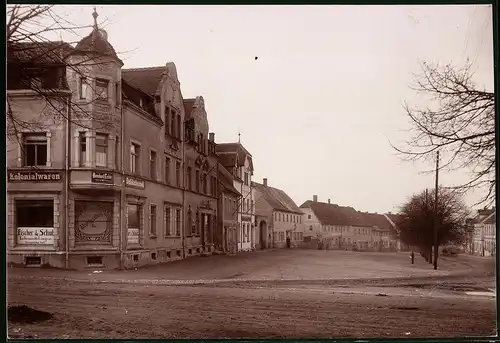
(436, 221)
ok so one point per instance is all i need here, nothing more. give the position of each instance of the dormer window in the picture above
(101, 89)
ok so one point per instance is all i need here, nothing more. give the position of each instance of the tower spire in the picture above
(95, 15)
(239, 137)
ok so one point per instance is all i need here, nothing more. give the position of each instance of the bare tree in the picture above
(43, 66)
(416, 220)
(459, 121)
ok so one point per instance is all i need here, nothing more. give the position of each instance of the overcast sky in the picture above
(319, 106)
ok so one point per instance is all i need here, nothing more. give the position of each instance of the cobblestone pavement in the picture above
(272, 294)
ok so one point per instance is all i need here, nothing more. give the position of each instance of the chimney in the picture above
(211, 137)
(265, 182)
(328, 200)
(315, 198)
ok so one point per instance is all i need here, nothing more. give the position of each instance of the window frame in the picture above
(44, 139)
(153, 164)
(135, 158)
(106, 148)
(153, 223)
(103, 84)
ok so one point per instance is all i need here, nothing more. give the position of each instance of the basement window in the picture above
(94, 260)
(33, 261)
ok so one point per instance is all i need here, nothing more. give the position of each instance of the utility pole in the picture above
(436, 222)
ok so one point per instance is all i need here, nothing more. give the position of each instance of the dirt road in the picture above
(86, 309)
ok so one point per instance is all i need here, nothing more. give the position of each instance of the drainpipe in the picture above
(184, 171)
(123, 206)
(66, 182)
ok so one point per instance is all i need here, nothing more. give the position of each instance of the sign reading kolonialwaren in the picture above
(34, 176)
(132, 236)
(102, 177)
(133, 182)
(35, 236)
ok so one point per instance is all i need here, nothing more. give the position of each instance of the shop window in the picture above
(35, 149)
(135, 158)
(34, 222)
(93, 221)
(101, 89)
(133, 223)
(153, 256)
(101, 150)
(136, 258)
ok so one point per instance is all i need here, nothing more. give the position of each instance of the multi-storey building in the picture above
(279, 217)
(227, 226)
(236, 159)
(339, 227)
(98, 172)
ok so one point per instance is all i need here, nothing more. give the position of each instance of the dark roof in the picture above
(333, 214)
(227, 160)
(145, 79)
(39, 52)
(492, 219)
(396, 218)
(188, 107)
(135, 95)
(96, 43)
(226, 179)
(235, 148)
(277, 198)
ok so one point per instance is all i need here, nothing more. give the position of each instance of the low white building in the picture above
(484, 237)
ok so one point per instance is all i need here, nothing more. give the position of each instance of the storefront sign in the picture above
(32, 176)
(132, 236)
(102, 177)
(133, 182)
(35, 236)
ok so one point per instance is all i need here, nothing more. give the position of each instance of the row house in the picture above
(279, 217)
(107, 167)
(339, 227)
(238, 161)
(484, 234)
(227, 225)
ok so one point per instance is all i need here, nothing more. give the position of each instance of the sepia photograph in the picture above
(251, 171)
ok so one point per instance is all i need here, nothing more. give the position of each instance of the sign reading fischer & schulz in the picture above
(34, 176)
(133, 182)
(102, 177)
(35, 236)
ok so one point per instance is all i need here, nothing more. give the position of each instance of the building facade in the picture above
(484, 236)
(227, 225)
(279, 217)
(236, 159)
(118, 171)
(331, 226)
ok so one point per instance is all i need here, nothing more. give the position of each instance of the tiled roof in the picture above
(145, 79)
(333, 214)
(228, 160)
(277, 198)
(38, 52)
(492, 219)
(235, 148)
(96, 43)
(395, 218)
(226, 178)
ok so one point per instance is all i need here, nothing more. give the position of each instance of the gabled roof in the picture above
(145, 79)
(228, 160)
(226, 179)
(333, 214)
(491, 219)
(235, 149)
(277, 198)
(135, 95)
